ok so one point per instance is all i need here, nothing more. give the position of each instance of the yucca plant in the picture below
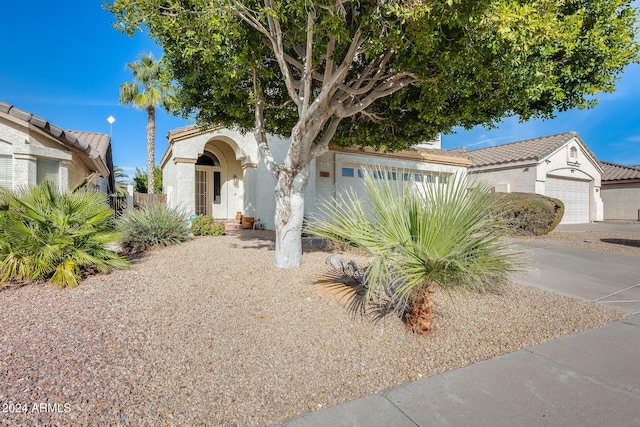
(152, 226)
(420, 236)
(54, 236)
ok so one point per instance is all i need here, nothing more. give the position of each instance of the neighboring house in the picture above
(220, 172)
(33, 150)
(560, 166)
(621, 192)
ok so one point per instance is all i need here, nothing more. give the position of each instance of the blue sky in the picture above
(64, 61)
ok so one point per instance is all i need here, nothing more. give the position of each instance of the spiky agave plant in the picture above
(49, 235)
(420, 236)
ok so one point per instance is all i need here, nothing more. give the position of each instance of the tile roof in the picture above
(615, 172)
(529, 149)
(93, 145)
(99, 141)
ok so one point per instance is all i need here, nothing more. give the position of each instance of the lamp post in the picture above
(111, 121)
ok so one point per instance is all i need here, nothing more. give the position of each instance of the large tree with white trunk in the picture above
(385, 74)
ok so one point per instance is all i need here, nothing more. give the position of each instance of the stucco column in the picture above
(64, 174)
(599, 207)
(186, 185)
(250, 183)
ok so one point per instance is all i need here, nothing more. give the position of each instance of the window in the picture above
(217, 195)
(48, 170)
(208, 159)
(573, 154)
(443, 179)
(348, 172)
(6, 171)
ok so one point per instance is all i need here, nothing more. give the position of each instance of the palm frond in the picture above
(48, 235)
(420, 234)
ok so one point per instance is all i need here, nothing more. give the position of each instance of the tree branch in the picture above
(323, 145)
(390, 85)
(356, 89)
(259, 132)
(307, 75)
(278, 49)
(329, 85)
(329, 62)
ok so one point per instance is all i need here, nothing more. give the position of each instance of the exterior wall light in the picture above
(236, 182)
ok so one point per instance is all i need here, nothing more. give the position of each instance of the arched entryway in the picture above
(218, 182)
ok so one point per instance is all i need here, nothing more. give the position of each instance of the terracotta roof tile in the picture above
(99, 141)
(529, 149)
(615, 172)
(91, 144)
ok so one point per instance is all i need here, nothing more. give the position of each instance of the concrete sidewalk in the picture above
(588, 379)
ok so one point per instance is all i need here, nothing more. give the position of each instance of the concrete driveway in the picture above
(586, 379)
(609, 279)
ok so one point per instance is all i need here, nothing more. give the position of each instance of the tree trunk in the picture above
(419, 313)
(151, 137)
(290, 192)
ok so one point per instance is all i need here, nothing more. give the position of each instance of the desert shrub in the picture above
(152, 226)
(419, 236)
(54, 236)
(206, 225)
(530, 214)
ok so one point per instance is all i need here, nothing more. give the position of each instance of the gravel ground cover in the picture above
(209, 333)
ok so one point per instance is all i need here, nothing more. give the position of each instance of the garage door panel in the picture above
(575, 196)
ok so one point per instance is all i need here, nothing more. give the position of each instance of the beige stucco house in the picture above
(220, 172)
(560, 166)
(620, 192)
(33, 150)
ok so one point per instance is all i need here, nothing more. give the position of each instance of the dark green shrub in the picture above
(207, 226)
(530, 214)
(53, 236)
(152, 226)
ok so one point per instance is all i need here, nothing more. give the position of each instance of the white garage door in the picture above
(575, 196)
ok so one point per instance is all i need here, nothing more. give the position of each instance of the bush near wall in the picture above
(207, 226)
(152, 226)
(530, 214)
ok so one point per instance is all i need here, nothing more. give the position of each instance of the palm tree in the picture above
(420, 236)
(148, 90)
(121, 184)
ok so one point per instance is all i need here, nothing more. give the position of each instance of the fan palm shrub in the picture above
(420, 236)
(54, 236)
(152, 226)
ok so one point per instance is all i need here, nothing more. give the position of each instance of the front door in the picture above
(209, 192)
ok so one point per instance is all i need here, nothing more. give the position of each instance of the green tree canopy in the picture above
(385, 74)
(141, 181)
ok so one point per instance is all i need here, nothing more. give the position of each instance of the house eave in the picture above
(621, 181)
(416, 154)
(503, 166)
